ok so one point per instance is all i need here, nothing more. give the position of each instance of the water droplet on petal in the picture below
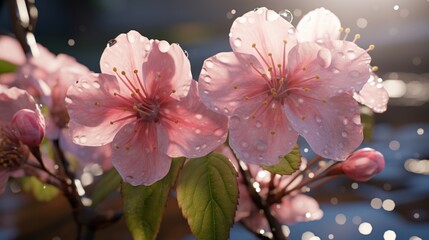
(206, 92)
(237, 42)
(345, 121)
(111, 42)
(261, 145)
(197, 148)
(351, 54)
(258, 124)
(207, 79)
(354, 74)
(86, 85)
(82, 139)
(244, 144)
(219, 132)
(271, 16)
(163, 46)
(318, 120)
(324, 57)
(286, 15)
(291, 31)
(234, 122)
(198, 116)
(96, 84)
(197, 131)
(209, 63)
(186, 53)
(129, 178)
(356, 120)
(344, 134)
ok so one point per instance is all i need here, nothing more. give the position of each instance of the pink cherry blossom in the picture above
(30, 126)
(146, 104)
(320, 25)
(294, 208)
(363, 164)
(273, 88)
(13, 154)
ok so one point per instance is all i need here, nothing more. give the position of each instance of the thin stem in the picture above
(275, 226)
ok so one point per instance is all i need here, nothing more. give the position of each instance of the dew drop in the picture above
(96, 84)
(354, 74)
(271, 16)
(197, 131)
(163, 46)
(86, 85)
(244, 144)
(219, 132)
(206, 92)
(258, 124)
(351, 54)
(82, 139)
(204, 146)
(291, 31)
(286, 15)
(111, 42)
(324, 57)
(261, 146)
(356, 120)
(197, 148)
(209, 63)
(345, 121)
(234, 122)
(344, 134)
(237, 42)
(198, 116)
(129, 178)
(318, 120)
(207, 79)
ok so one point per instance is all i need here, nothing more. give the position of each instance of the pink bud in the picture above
(30, 127)
(363, 164)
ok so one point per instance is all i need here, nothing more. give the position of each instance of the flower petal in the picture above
(11, 51)
(261, 134)
(198, 130)
(332, 68)
(227, 79)
(137, 156)
(332, 128)
(298, 208)
(167, 71)
(125, 53)
(92, 107)
(13, 100)
(319, 24)
(373, 95)
(267, 30)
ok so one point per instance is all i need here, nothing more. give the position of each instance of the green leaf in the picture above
(41, 191)
(110, 182)
(207, 193)
(144, 205)
(288, 164)
(367, 120)
(7, 67)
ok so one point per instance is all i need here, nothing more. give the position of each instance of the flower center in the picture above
(147, 111)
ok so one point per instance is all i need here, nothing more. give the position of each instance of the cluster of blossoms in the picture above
(144, 108)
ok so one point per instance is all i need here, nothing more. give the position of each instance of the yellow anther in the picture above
(123, 73)
(270, 54)
(279, 65)
(341, 29)
(281, 81)
(323, 100)
(117, 147)
(246, 98)
(371, 47)
(115, 69)
(357, 36)
(235, 87)
(304, 69)
(317, 77)
(127, 148)
(374, 68)
(306, 89)
(176, 121)
(273, 132)
(284, 41)
(136, 71)
(253, 116)
(265, 102)
(303, 117)
(263, 75)
(111, 123)
(254, 45)
(270, 69)
(347, 30)
(173, 91)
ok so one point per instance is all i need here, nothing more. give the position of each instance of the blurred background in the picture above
(394, 205)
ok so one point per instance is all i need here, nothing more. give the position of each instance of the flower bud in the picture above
(30, 127)
(363, 164)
